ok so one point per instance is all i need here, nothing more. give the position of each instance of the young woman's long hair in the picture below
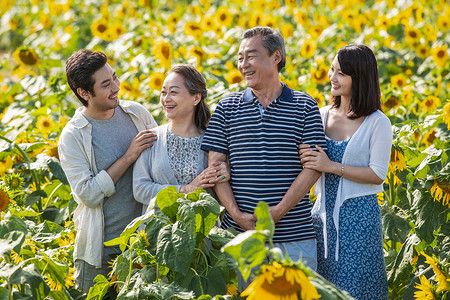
(359, 62)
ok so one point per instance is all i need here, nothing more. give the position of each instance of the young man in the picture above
(97, 149)
(259, 131)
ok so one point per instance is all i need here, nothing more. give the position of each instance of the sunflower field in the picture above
(143, 39)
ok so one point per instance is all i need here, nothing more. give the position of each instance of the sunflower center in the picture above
(165, 51)
(101, 28)
(280, 286)
(27, 57)
(440, 53)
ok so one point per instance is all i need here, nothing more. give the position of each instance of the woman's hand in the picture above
(316, 160)
(222, 173)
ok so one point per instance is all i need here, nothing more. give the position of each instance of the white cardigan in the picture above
(370, 146)
(152, 171)
(90, 186)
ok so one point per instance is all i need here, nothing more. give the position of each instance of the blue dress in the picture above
(360, 269)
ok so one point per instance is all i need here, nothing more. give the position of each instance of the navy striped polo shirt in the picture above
(263, 153)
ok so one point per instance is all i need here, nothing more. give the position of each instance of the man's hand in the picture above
(141, 141)
(245, 221)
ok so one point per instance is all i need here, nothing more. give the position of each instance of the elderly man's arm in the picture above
(298, 189)
(226, 197)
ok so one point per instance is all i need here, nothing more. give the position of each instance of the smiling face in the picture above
(341, 84)
(104, 99)
(256, 66)
(175, 98)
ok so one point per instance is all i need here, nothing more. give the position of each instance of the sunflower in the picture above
(441, 191)
(193, 29)
(301, 17)
(6, 165)
(399, 80)
(425, 291)
(316, 30)
(380, 198)
(256, 18)
(116, 30)
(412, 35)
(422, 50)
(269, 21)
(4, 200)
(69, 281)
(441, 279)
(308, 48)
(163, 52)
(198, 53)
(26, 57)
(231, 290)
(408, 95)
(172, 21)
(52, 283)
(128, 90)
(100, 28)
(319, 74)
(45, 124)
(208, 23)
(391, 102)
(14, 182)
(223, 17)
(287, 30)
(440, 55)
(442, 23)
(318, 96)
(279, 282)
(397, 161)
(429, 137)
(430, 104)
(233, 76)
(446, 114)
(156, 81)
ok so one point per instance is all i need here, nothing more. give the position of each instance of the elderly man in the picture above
(259, 130)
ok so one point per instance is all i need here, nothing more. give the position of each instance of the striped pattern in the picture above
(263, 153)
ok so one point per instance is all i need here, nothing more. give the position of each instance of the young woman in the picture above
(346, 214)
(176, 158)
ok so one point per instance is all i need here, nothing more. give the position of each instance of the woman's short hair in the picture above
(359, 62)
(196, 84)
(79, 70)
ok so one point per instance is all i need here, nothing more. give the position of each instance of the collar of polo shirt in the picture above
(286, 94)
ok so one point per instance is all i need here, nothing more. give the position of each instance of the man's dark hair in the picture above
(79, 69)
(359, 62)
(195, 84)
(272, 41)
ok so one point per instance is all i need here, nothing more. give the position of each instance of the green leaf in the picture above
(265, 221)
(55, 167)
(30, 276)
(131, 228)
(207, 212)
(220, 237)
(99, 289)
(248, 249)
(220, 260)
(327, 290)
(152, 229)
(401, 269)
(167, 201)
(429, 215)
(46, 232)
(159, 290)
(11, 241)
(186, 215)
(216, 282)
(13, 224)
(175, 247)
(34, 197)
(395, 225)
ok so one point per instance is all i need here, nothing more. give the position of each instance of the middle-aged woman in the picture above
(176, 158)
(346, 214)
